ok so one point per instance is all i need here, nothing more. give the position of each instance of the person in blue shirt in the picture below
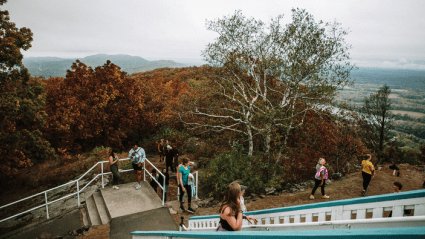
(184, 171)
(137, 156)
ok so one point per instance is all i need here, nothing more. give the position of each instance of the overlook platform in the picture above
(135, 210)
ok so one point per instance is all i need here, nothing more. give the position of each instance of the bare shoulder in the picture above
(225, 211)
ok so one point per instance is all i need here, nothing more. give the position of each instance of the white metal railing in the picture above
(79, 191)
(366, 211)
(153, 178)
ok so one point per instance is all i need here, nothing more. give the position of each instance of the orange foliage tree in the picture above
(22, 103)
(93, 107)
(164, 91)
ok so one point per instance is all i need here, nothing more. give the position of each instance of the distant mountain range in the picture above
(55, 66)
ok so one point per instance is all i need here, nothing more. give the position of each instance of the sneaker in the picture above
(326, 197)
(182, 208)
(311, 197)
(190, 210)
(363, 193)
(116, 187)
(138, 186)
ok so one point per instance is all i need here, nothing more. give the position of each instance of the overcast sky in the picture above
(383, 33)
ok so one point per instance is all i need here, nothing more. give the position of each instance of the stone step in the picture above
(85, 216)
(94, 217)
(101, 208)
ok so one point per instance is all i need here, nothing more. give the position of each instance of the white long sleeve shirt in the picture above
(139, 157)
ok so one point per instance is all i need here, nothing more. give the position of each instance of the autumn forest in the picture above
(262, 112)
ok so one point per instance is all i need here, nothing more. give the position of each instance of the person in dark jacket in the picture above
(154, 184)
(167, 181)
(396, 170)
(169, 158)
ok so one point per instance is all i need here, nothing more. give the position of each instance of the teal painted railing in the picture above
(372, 233)
(353, 213)
(345, 202)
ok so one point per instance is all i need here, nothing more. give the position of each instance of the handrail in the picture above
(292, 226)
(404, 232)
(371, 199)
(163, 176)
(79, 191)
(340, 210)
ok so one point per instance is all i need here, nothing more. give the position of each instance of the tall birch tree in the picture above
(268, 77)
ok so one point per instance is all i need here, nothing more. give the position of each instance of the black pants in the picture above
(115, 173)
(169, 163)
(188, 191)
(176, 162)
(366, 180)
(317, 184)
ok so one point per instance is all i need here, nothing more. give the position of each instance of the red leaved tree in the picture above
(93, 107)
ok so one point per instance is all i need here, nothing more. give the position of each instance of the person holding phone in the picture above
(113, 166)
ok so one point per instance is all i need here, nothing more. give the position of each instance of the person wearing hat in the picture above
(243, 188)
(243, 207)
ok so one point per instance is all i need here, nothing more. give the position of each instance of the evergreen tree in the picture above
(377, 120)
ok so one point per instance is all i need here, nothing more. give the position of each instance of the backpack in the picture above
(325, 176)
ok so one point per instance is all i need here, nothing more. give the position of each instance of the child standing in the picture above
(320, 178)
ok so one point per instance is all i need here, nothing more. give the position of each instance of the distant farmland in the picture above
(409, 113)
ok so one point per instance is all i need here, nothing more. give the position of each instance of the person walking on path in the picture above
(137, 156)
(367, 171)
(161, 150)
(184, 171)
(169, 158)
(113, 165)
(176, 157)
(320, 178)
(167, 182)
(178, 174)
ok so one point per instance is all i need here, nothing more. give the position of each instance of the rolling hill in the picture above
(55, 66)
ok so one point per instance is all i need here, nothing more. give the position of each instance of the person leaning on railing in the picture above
(231, 210)
(113, 165)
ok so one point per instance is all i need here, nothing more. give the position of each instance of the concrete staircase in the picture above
(95, 212)
(127, 210)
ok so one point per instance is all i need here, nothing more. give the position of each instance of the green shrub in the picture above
(235, 165)
(100, 153)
